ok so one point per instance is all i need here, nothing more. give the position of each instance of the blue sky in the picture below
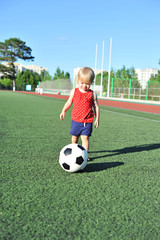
(64, 33)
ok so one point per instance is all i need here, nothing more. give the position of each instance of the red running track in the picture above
(143, 107)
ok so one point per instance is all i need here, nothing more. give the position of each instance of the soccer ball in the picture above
(73, 157)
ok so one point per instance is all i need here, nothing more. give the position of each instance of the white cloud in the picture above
(62, 38)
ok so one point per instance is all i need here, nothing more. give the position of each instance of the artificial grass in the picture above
(115, 197)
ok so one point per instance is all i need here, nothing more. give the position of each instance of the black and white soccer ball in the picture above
(73, 157)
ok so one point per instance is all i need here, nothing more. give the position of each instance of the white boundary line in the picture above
(146, 102)
(128, 115)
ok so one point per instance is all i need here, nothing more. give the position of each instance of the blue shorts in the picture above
(78, 129)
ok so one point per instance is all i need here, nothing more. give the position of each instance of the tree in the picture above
(27, 77)
(67, 75)
(60, 74)
(119, 75)
(105, 79)
(6, 83)
(45, 76)
(57, 74)
(154, 85)
(155, 78)
(10, 51)
(158, 76)
(128, 73)
(154, 81)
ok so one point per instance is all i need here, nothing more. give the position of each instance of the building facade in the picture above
(144, 75)
(22, 68)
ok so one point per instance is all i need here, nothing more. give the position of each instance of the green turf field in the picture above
(117, 196)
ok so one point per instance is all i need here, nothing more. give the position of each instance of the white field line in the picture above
(128, 115)
(124, 114)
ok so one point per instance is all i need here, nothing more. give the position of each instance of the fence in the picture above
(62, 86)
(130, 89)
(6, 87)
(119, 88)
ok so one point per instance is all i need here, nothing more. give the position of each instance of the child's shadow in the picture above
(96, 167)
(127, 150)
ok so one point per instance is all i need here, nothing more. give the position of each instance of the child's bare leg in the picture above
(85, 142)
(75, 139)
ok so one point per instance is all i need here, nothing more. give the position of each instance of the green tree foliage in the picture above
(45, 76)
(67, 75)
(156, 78)
(27, 78)
(154, 81)
(10, 51)
(105, 79)
(127, 73)
(60, 74)
(119, 76)
(6, 83)
(154, 85)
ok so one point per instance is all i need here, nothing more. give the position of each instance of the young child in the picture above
(85, 108)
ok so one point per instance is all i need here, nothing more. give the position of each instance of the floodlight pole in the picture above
(95, 67)
(109, 72)
(102, 71)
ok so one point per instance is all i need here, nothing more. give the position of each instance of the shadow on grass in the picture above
(96, 167)
(140, 148)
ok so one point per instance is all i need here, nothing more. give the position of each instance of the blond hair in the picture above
(86, 74)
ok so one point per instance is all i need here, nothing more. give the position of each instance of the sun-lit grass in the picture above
(115, 197)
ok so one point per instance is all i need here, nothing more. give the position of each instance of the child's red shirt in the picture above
(83, 106)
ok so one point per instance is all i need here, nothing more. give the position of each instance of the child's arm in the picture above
(67, 105)
(96, 109)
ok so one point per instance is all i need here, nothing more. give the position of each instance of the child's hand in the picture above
(96, 124)
(62, 115)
